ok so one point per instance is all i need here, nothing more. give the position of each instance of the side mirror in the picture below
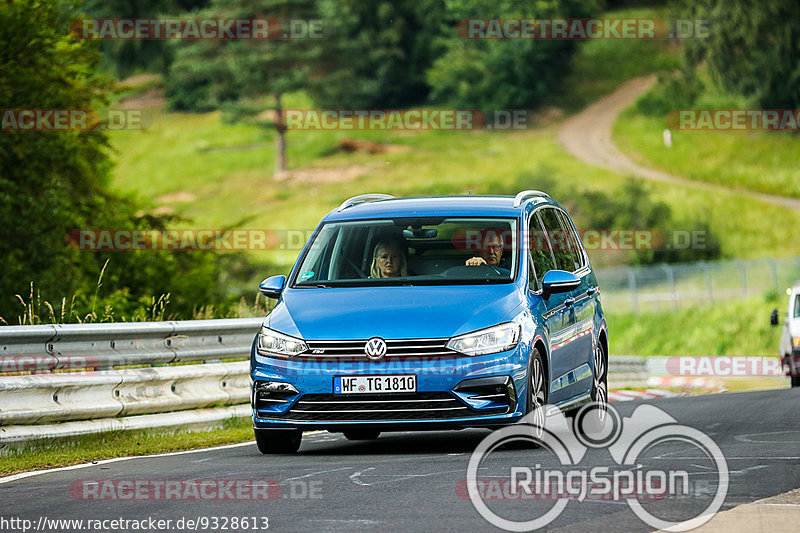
(556, 281)
(272, 287)
(773, 317)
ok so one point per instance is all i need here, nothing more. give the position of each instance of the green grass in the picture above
(55, 453)
(739, 327)
(767, 162)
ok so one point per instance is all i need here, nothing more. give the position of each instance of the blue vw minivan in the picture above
(429, 313)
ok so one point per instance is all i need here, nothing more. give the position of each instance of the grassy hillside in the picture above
(724, 328)
(767, 162)
(218, 175)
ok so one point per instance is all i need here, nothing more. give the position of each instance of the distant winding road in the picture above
(587, 136)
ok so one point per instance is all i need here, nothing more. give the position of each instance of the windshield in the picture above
(411, 251)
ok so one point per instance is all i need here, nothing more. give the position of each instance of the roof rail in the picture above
(526, 194)
(362, 198)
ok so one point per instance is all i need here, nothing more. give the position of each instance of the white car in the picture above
(790, 337)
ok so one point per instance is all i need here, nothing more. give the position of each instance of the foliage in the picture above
(377, 52)
(207, 74)
(125, 57)
(503, 74)
(752, 49)
(54, 182)
(629, 207)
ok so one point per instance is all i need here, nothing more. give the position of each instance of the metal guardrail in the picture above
(46, 398)
(66, 380)
(42, 349)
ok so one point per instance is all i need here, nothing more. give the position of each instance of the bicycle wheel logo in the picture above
(558, 476)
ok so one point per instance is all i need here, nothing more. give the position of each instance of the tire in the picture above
(362, 434)
(600, 380)
(593, 419)
(795, 381)
(272, 441)
(537, 393)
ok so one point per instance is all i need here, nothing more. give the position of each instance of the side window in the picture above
(572, 240)
(797, 306)
(559, 240)
(541, 257)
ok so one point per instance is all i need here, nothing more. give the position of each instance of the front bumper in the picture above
(453, 392)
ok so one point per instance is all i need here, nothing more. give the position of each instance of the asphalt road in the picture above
(410, 481)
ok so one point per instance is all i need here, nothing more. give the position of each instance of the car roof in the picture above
(489, 206)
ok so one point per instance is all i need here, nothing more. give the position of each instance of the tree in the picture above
(377, 52)
(503, 74)
(242, 76)
(752, 49)
(125, 57)
(54, 182)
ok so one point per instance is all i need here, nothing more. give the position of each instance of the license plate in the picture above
(368, 384)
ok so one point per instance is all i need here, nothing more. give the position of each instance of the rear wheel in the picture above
(590, 420)
(362, 434)
(600, 384)
(271, 441)
(795, 381)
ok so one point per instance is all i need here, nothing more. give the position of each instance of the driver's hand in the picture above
(475, 261)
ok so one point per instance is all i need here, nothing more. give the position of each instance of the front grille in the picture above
(395, 348)
(379, 407)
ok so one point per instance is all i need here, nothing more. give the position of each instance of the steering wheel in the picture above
(473, 268)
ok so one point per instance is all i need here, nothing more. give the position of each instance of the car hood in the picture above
(392, 312)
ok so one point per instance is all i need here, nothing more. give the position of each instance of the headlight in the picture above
(273, 343)
(796, 342)
(490, 340)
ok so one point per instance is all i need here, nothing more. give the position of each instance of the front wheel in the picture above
(272, 441)
(537, 393)
(795, 381)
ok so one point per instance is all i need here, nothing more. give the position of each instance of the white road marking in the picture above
(316, 473)
(23, 475)
(748, 437)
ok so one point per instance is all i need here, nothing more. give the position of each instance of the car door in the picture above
(573, 371)
(583, 308)
(552, 310)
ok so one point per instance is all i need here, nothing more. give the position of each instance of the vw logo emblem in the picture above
(375, 348)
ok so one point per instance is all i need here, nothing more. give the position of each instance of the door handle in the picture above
(569, 302)
(591, 291)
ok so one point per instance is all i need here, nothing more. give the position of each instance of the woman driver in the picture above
(389, 260)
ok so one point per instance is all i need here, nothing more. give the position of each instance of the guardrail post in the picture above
(632, 285)
(709, 285)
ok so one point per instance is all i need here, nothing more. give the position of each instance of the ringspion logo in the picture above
(559, 475)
